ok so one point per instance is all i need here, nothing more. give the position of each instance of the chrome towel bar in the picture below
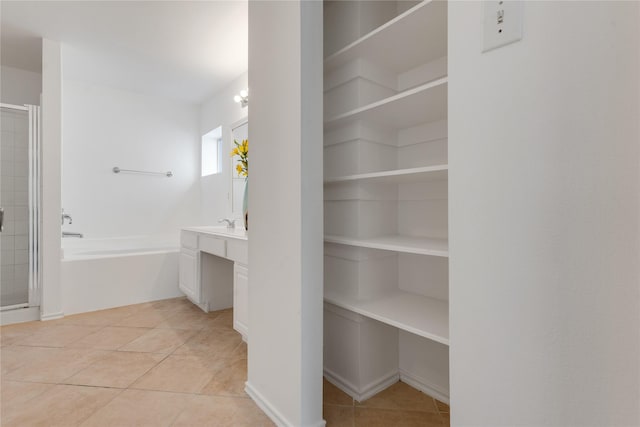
(168, 174)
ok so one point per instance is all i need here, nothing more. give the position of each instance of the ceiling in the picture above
(184, 50)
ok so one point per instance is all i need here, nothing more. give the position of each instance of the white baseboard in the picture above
(19, 315)
(52, 316)
(425, 386)
(365, 392)
(272, 412)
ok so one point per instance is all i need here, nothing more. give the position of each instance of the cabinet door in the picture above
(241, 300)
(188, 279)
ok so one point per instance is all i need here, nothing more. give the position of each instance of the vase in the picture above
(245, 204)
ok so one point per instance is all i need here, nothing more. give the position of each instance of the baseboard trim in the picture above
(19, 315)
(425, 386)
(272, 412)
(52, 316)
(367, 391)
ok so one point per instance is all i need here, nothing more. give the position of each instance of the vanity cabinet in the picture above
(188, 281)
(241, 299)
(214, 272)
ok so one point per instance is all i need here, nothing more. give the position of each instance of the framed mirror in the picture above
(239, 132)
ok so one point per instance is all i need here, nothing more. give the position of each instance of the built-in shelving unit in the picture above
(397, 176)
(423, 316)
(425, 103)
(405, 244)
(425, 22)
(386, 195)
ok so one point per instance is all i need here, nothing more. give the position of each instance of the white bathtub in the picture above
(105, 273)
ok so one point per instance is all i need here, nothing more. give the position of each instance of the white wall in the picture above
(106, 127)
(544, 236)
(221, 110)
(20, 86)
(285, 204)
(51, 305)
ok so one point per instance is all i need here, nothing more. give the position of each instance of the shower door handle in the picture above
(1, 219)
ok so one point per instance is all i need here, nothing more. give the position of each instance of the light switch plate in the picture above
(502, 23)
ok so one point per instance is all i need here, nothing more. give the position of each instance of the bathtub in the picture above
(106, 273)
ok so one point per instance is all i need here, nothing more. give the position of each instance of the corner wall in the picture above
(285, 204)
(544, 236)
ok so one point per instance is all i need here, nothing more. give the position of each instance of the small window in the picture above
(212, 152)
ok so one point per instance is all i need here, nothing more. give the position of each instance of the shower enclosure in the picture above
(19, 204)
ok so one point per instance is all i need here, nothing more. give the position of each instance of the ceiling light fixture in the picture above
(243, 98)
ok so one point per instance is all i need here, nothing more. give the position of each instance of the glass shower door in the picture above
(19, 130)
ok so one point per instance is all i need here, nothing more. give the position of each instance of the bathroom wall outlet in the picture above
(502, 23)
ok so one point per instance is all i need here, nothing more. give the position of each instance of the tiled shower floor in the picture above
(164, 363)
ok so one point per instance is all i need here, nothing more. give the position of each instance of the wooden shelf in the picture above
(406, 244)
(420, 315)
(423, 104)
(421, 174)
(425, 23)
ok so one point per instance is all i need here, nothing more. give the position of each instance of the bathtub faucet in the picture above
(71, 234)
(66, 216)
(231, 223)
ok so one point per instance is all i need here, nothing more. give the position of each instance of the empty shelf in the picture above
(407, 244)
(420, 315)
(421, 174)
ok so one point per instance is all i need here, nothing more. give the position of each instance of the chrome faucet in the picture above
(231, 223)
(66, 216)
(71, 234)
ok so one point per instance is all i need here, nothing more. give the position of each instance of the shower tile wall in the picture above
(14, 198)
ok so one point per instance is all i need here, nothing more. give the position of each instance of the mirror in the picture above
(239, 131)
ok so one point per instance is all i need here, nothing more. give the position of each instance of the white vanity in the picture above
(214, 271)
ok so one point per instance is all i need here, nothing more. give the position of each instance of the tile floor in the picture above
(164, 363)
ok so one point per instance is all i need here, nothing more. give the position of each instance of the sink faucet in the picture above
(231, 223)
(71, 234)
(66, 216)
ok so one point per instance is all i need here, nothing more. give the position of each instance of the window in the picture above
(212, 152)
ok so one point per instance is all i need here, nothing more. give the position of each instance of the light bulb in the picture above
(237, 98)
(243, 93)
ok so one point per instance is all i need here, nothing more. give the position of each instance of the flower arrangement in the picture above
(242, 150)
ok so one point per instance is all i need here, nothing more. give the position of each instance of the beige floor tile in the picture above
(332, 395)
(13, 393)
(110, 338)
(221, 319)
(98, 318)
(338, 416)
(144, 318)
(222, 412)
(140, 408)
(228, 378)
(442, 407)
(13, 357)
(116, 369)
(446, 419)
(401, 396)
(11, 334)
(58, 335)
(187, 374)
(61, 405)
(215, 343)
(373, 417)
(159, 341)
(186, 320)
(53, 365)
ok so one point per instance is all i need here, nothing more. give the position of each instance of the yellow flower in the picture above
(239, 168)
(235, 152)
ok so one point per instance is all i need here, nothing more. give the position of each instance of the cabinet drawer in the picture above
(189, 240)
(213, 246)
(238, 250)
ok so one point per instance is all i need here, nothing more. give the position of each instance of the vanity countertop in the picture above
(235, 233)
